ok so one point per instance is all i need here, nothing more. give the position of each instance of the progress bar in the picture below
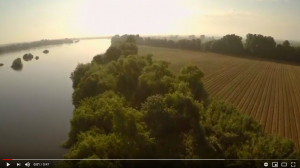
(155, 159)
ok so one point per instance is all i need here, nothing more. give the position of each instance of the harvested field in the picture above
(267, 91)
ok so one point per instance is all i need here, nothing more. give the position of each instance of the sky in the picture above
(30, 20)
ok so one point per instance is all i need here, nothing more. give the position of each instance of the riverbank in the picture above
(26, 46)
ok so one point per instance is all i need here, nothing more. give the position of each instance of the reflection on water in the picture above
(17, 68)
(27, 59)
(36, 103)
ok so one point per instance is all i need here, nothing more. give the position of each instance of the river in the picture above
(36, 102)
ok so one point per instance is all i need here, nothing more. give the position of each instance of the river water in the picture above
(36, 102)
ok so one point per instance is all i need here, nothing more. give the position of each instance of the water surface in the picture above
(36, 102)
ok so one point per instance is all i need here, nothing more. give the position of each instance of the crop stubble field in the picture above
(267, 91)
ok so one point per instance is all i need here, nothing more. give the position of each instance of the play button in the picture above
(7, 164)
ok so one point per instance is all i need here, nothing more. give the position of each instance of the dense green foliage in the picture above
(24, 46)
(118, 40)
(130, 106)
(230, 44)
(17, 64)
(266, 47)
(260, 45)
(1, 64)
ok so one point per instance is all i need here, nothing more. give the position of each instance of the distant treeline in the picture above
(24, 46)
(193, 44)
(256, 46)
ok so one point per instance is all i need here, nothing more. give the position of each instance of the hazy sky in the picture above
(28, 20)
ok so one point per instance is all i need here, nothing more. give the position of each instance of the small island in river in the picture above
(17, 64)
(27, 57)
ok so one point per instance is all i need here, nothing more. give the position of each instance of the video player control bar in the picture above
(39, 162)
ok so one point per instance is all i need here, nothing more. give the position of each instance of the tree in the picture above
(193, 76)
(173, 118)
(239, 136)
(155, 79)
(98, 59)
(128, 71)
(263, 46)
(131, 39)
(78, 73)
(286, 44)
(233, 44)
(229, 44)
(112, 53)
(128, 48)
